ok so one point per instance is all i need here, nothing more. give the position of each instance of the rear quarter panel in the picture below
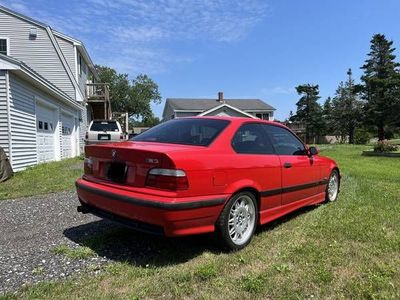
(218, 169)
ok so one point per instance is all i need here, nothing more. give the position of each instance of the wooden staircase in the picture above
(98, 101)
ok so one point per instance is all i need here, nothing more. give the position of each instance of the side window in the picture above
(284, 141)
(252, 139)
(3, 46)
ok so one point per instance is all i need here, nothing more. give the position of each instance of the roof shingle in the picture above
(206, 104)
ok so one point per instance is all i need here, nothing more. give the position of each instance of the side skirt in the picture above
(269, 215)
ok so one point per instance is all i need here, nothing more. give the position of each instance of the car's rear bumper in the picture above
(175, 216)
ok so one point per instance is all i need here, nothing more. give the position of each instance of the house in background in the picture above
(186, 107)
(44, 101)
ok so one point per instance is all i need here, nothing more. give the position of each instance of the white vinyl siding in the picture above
(38, 53)
(23, 124)
(84, 73)
(24, 99)
(68, 50)
(83, 124)
(3, 112)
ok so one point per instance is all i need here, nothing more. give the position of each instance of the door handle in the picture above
(287, 165)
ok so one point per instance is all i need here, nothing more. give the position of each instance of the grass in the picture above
(346, 249)
(74, 253)
(42, 179)
(395, 141)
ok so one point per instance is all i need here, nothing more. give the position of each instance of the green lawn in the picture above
(346, 249)
(395, 141)
(43, 179)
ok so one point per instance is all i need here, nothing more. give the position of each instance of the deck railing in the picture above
(97, 91)
(98, 98)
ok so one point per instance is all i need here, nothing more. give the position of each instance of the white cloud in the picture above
(16, 5)
(140, 34)
(278, 90)
(107, 26)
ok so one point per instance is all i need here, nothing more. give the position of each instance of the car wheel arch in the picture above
(335, 168)
(250, 189)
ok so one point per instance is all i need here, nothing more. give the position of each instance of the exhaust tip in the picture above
(82, 209)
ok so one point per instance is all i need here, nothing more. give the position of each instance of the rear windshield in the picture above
(104, 126)
(198, 132)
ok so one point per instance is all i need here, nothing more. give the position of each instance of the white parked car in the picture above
(104, 131)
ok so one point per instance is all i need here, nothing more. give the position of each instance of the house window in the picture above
(3, 46)
(263, 116)
(79, 64)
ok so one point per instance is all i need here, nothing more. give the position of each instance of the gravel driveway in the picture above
(31, 227)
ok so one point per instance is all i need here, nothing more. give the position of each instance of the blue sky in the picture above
(247, 48)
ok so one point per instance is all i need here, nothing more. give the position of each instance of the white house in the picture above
(186, 107)
(43, 103)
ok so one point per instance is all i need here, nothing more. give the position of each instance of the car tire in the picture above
(332, 188)
(238, 221)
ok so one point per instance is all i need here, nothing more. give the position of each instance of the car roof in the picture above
(239, 120)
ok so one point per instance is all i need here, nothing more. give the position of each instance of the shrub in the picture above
(385, 146)
(361, 136)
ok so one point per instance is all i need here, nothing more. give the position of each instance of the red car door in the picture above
(300, 175)
(256, 160)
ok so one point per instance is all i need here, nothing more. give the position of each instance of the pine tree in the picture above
(326, 114)
(309, 111)
(346, 109)
(381, 85)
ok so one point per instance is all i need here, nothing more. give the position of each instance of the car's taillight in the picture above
(121, 136)
(167, 179)
(88, 165)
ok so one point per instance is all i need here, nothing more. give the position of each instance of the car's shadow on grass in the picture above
(119, 243)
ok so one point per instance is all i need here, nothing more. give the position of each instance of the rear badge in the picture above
(151, 160)
(114, 153)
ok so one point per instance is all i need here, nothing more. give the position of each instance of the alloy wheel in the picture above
(241, 220)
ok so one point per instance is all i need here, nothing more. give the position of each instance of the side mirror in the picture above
(313, 151)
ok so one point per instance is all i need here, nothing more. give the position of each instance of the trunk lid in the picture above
(129, 162)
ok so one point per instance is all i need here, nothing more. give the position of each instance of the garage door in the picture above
(67, 123)
(46, 125)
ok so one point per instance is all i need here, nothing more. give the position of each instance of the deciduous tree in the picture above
(134, 97)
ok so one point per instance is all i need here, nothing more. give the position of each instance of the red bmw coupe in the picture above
(206, 174)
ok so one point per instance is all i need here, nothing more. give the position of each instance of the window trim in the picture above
(7, 43)
(266, 136)
(79, 64)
